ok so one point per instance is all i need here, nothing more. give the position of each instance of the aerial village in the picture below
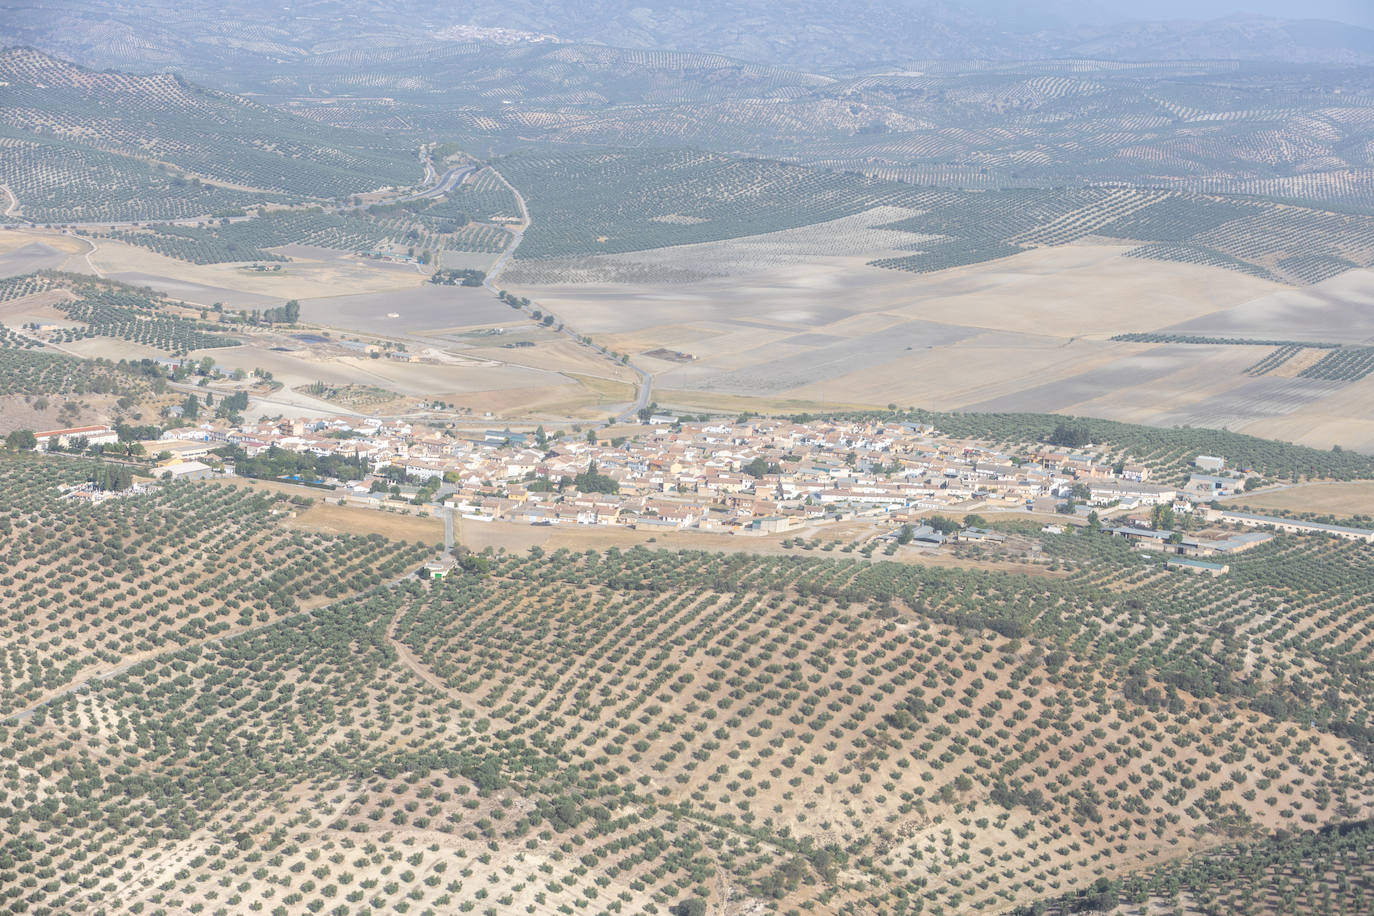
(747, 477)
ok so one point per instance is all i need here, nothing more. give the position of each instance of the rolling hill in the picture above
(147, 144)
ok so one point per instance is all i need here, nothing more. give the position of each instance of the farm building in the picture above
(774, 524)
(1201, 567)
(1149, 538)
(1291, 525)
(439, 568)
(94, 435)
(186, 470)
(1130, 494)
(178, 448)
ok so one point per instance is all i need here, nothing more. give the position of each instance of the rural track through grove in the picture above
(646, 378)
(27, 712)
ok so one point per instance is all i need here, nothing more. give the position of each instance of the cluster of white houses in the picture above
(749, 476)
(761, 476)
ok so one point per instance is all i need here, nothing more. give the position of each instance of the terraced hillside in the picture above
(121, 128)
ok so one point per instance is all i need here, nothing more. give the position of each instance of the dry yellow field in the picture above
(299, 279)
(1343, 418)
(1338, 498)
(336, 519)
(823, 331)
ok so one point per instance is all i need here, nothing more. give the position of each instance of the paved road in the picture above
(447, 182)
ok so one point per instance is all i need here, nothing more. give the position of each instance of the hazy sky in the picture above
(1356, 12)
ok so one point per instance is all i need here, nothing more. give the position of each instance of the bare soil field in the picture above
(1140, 383)
(14, 240)
(1024, 333)
(988, 366)
(417, 309)
(112, 348)
(516, 537)
(852, 236)
(1339, 498)
(30, 257)
(1341, 310)
(556, 354)
(1344, 418)
(299, 279)
(40, 307)
(21, 412)
(336, 519)
(195, 293)
(1071, 291)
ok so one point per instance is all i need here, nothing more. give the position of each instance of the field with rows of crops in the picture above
(640, 729)
(82, 146)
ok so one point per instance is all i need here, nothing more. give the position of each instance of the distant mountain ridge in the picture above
(227, 42)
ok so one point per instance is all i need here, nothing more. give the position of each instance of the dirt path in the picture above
(646, 378)
(13, 206)
(89, 263)
(408, 658)
(86, 679)
(517, 236)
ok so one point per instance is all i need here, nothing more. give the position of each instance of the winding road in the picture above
(434, 185)
(446, 182)
(646, 378)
